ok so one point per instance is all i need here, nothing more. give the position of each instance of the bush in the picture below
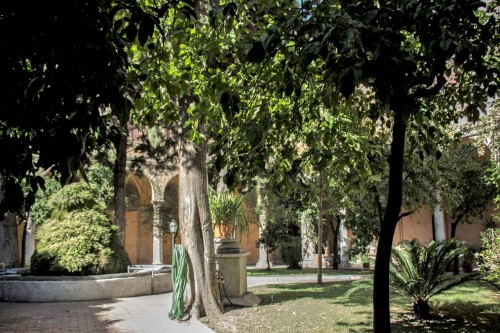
(291, 251)
(119, 260)
(79, 238)
(489, 257)
(46, 265)
(79, 242)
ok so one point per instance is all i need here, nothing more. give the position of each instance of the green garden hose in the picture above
(179, 278)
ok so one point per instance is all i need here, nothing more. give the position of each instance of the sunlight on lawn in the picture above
(313, 308)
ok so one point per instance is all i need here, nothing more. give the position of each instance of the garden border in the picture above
(15, 288)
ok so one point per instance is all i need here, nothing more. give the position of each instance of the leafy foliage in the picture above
(42, 208)
(79, 238)
(227, 210)
(420, 272)
(291, 251)
(489, 256)
(464, 190)
(64, 86)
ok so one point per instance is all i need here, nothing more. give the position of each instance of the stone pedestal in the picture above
(227, 246)
(232, 268)
(234, 271)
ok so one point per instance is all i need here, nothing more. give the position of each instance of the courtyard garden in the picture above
(334, 128)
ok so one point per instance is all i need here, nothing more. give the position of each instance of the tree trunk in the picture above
(381, 305)
(9, 245)
(119, 180)
(335, 230)
(195, 222)
(453, 233)
(320, 230)
(268, 268)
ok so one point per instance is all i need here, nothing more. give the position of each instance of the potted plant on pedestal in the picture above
(468, 260)
(228, 213)
(365, 260)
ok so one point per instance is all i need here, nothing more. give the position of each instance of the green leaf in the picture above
(257, 53)
(131, 32)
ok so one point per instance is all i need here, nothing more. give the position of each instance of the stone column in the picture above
(157, 234)
(29, 247)
(438, 220)
(344, 258)
(307, 246)
(262, 263)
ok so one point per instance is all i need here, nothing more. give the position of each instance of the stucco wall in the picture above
(418, 225)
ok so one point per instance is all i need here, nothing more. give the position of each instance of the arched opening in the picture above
(131, 197)
(138, 235)
(170, 211)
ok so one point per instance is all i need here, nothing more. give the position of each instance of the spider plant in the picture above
(420, 272)
(228, 213)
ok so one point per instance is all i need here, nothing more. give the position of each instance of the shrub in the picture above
(76, 241)
(420, 272)
(489, 257)
(291, 251)
(79, 238)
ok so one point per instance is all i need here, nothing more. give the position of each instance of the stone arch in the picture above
(132, 199)
(138, 236)
(159, 204)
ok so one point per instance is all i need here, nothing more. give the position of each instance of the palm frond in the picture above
(420, 271)
(453, 283)
(358, 285)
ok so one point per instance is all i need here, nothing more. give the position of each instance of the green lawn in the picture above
(474, 307)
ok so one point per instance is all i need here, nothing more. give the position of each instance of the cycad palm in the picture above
(420, 272)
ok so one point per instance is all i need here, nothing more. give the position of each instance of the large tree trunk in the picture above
(195, 222)
(9, 245)
(381, 305)
(119, 180)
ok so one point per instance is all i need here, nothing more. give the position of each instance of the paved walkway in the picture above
(145, 314)
(253, 281)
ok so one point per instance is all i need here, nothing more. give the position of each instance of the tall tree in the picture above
(407, 51)
(184, 68)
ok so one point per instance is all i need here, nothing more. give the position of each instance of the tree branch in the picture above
(405, 214)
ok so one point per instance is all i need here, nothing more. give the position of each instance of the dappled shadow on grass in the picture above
(309, 307)
(457, 317)
(331, 291)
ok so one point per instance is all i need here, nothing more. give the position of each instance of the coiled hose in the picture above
(179, 278)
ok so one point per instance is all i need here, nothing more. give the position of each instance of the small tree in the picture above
(466, 193)
(281, 228)
(271, 235)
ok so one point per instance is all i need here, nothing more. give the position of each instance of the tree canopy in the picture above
(63, 75)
